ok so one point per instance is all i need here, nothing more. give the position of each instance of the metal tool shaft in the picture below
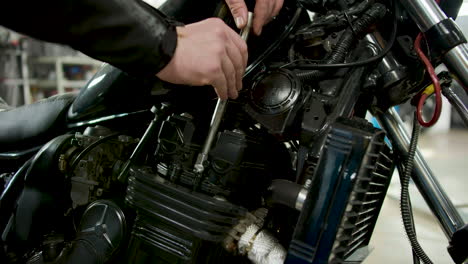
(218, 112)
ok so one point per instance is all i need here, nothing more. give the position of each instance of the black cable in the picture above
(416, 259)
(89, 148)
(405, 202)
(275, 44)
(364, 62)
(401, 173)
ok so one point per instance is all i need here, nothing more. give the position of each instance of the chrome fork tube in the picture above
(426, 14)
(431, 190)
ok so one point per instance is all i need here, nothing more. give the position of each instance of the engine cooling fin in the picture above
(347, 192)
(175, 224)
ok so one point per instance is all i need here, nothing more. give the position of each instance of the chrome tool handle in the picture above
(218, 112)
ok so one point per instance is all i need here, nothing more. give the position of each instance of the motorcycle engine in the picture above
(188, 217)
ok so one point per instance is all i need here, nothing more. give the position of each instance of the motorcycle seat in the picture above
(32, 125)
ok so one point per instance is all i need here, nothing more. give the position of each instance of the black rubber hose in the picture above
(283, 192)
(347, 40)
(405, 204)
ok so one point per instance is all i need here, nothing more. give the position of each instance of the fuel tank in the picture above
(110, 91)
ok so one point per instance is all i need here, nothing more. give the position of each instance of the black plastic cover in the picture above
(275, 97)
(444, 36)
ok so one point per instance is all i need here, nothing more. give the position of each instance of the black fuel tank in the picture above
(110, 91)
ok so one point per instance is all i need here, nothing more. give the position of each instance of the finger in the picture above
(278, 6)
(238, 11)
(220, 85)
(242, 49)
(262, 12)
(230, 76)
(235, 56)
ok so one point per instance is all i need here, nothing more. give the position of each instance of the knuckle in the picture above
(217, 22)
(239, 73)
(262, 3)
(214, 69)
(232, 78)
(210, 21)
(205, 81)
(220, 33)
(214, 20)
(236, 9)
(232, 2)
(235, 4)
(217, 31)
(221, 91)
(218, 50)
(243, 47)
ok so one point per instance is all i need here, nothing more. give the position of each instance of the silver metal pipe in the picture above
(246, 31)
(456, 60)
(389, 62)
(455, 101)
(426, 13)
(300, 200)
(431, 190)
(390, 69)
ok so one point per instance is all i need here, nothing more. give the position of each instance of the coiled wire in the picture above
(405, 205)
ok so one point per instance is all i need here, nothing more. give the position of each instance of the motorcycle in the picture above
(141, 171)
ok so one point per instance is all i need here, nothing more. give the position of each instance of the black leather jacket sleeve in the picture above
(128, 34)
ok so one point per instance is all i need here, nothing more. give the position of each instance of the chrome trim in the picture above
(301, 197)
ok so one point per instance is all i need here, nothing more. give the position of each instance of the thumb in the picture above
(239, 12)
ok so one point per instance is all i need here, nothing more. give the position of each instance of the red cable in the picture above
(436, 83)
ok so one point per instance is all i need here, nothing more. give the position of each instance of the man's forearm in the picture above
(126, 33)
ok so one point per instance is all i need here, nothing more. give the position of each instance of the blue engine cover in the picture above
(346, 194)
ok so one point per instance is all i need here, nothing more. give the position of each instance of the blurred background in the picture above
(31, 70)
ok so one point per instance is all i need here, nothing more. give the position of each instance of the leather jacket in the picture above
(129, 34)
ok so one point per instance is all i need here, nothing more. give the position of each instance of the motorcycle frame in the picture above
(426, 14)
(425, 180)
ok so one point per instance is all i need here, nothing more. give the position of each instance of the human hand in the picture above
(208, 53)
(264, 11)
